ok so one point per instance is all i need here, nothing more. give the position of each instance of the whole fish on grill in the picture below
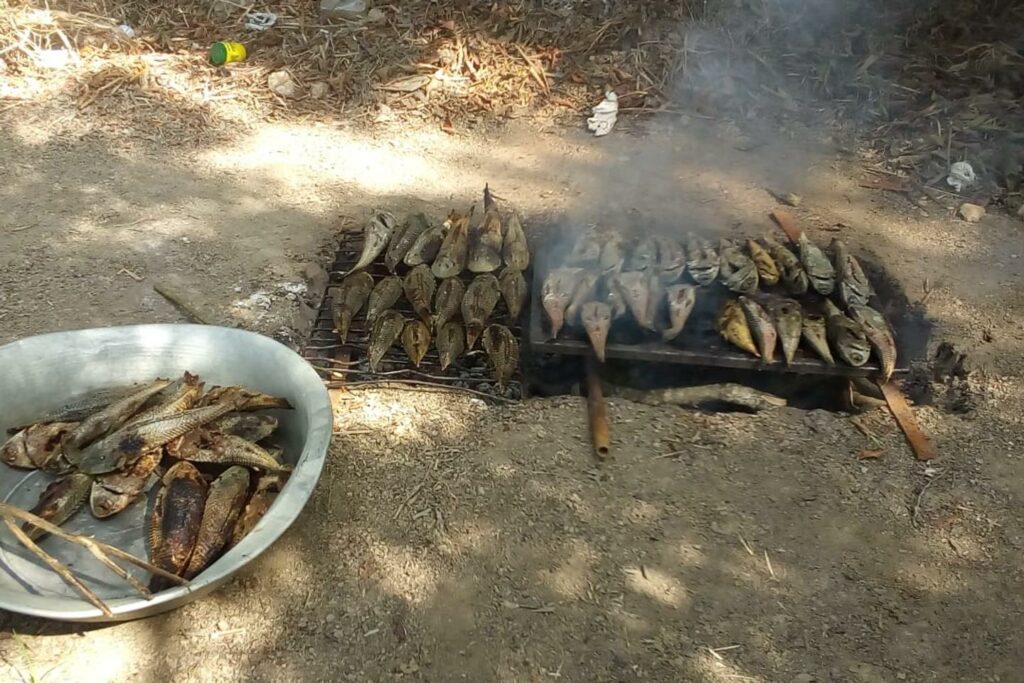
(385, 295)
(671, 259)
(761, 327)
(813, 331)
(732, 325)
(852, 285)
(879, 335)
(482, 296)
(416, 340)
(633, 286)
(249, 426)
(556, 295)
(186, 392)
(111, 493)
(403, 239)
(125, 446)
(586, 289)
(267, 488)
(349, 298)
(820, 273)
(243, 399)
(386, 330)
(767, 271)
(681, 300)
(451, 257)
(644, 256)
(59, 502)
(224, 449)
(485, 240)
(108, 419)
(376, 236)
(515, 251)
(224, 503)
(448, 301)
(613, 253)
(179, 517)
(791, 272)
(419, 285)
(787, 317)
(701, 260)
(514, 290)
(426, 246)
(503, 350)
(846, 337)
(451, 343)
(586, 250)
(596, 318)
(737, 271)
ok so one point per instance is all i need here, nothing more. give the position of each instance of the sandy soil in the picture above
(484, 543)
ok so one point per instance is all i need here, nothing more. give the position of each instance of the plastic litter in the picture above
(260, 21)
(126, 30)
(961, 175)
(605, 115)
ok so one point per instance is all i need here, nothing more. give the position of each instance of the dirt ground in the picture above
(462, 541)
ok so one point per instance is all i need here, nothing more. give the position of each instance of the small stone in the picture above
(375, 16)
(319, 90)
(282, 84)
(222, 625)
(972, 213)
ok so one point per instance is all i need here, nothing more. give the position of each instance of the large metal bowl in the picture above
(40, 373)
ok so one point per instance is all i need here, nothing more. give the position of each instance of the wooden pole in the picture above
(597, 409)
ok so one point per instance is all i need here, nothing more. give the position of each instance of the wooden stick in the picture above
(693, 397)
(787, 222)
(597, 409)
(175, 300)
(919, 443)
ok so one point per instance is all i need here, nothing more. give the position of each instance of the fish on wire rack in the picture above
(681, 300)
(419, 285)
(416, 340)
(403, 239)
(349, 298)
(732, 325)
(485, 241)
(702, 261)
(482, 296)
(503, 350)
(451, 258)
(514, 290)
(376, 237)
(556, 294)
(448, 301)
(386, 330)
(385, 295)
(514, 250)
(451, 343)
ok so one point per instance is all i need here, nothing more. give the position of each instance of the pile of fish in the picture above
(108, 448)
(782, 297)
(448, 312)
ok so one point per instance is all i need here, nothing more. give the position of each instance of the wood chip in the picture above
(919, 443)
(871, 454)
(787, 222)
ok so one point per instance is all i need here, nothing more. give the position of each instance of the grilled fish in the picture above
(791, 273)
(187, 391)
(767, 271)
(109, 419)
(737, 271)
(813, 330)
(820, 273)
(586, 289)
(514, 290)
(224, 449)
(385, 295)
(448, 300)
(635, 291)
(376, 236)
(879, 335)
(586, 251)
(481, 297)
(419, 285)
(556, 294)
(403, 239)
(846, 337)
(59, 502)
(224, 503)
(243, 399)
(451, 258)
(503, 350)
(451, 342)
(671, 259)
(613, 253)
(762, 328)
(112, 493)
(852, 285)
(416, 340)
(387, 328)
(701, 260)
(267, 488)
(596, 317)
(426, 246)
(732, 325)
(246, 425)
(349, 299)
(681, 299)
(81, 407)
(788, 320)
(182, 502)
(515, 250)
(42, 445)
(125, 446)
(485, 242)
(14, 453)
(644, 256)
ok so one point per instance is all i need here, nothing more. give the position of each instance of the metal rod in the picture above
(597, 409)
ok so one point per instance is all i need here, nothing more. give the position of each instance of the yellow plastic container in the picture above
(225, 52)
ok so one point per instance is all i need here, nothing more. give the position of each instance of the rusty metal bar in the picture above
(597, 410)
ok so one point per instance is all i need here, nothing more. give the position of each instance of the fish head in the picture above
(106, 503)
(596, 317)
(15, 453)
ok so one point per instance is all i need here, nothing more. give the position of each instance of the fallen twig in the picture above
(175, 300)
(915, 514)
(693, 397)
